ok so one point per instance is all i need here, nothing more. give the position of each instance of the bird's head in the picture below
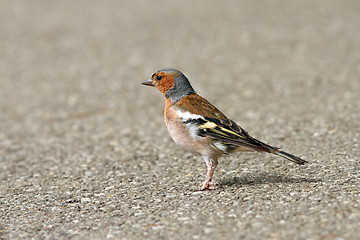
(172, 83)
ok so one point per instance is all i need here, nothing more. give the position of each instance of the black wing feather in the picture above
(228, 132)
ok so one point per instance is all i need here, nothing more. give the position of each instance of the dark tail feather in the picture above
(291, 157)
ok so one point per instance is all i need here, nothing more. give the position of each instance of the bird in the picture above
(198, 126)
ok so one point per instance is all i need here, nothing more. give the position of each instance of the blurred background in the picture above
(75, 120)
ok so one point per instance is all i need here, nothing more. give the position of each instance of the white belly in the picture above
(180, 135)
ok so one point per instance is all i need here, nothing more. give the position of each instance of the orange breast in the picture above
(181, 135)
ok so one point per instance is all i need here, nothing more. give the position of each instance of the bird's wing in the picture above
(211, 122)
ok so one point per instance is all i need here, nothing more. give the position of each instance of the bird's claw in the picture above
(208, 185)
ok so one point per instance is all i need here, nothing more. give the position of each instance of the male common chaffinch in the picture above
(195, 124)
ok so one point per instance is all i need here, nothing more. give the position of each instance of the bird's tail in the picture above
(291, 157)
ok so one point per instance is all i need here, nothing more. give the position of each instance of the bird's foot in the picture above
(208, 185)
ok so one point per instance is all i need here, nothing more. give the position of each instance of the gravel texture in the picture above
(84, 153)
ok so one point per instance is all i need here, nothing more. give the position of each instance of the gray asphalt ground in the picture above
(84, 152)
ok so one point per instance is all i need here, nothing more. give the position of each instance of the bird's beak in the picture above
(149, 82)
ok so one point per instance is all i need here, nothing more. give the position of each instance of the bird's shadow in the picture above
(265, 178)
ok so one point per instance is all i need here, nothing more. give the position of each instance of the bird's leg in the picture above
(211, 166)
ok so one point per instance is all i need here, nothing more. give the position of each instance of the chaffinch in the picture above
(195, 124)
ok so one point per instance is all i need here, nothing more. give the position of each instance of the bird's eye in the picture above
(158, 77)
